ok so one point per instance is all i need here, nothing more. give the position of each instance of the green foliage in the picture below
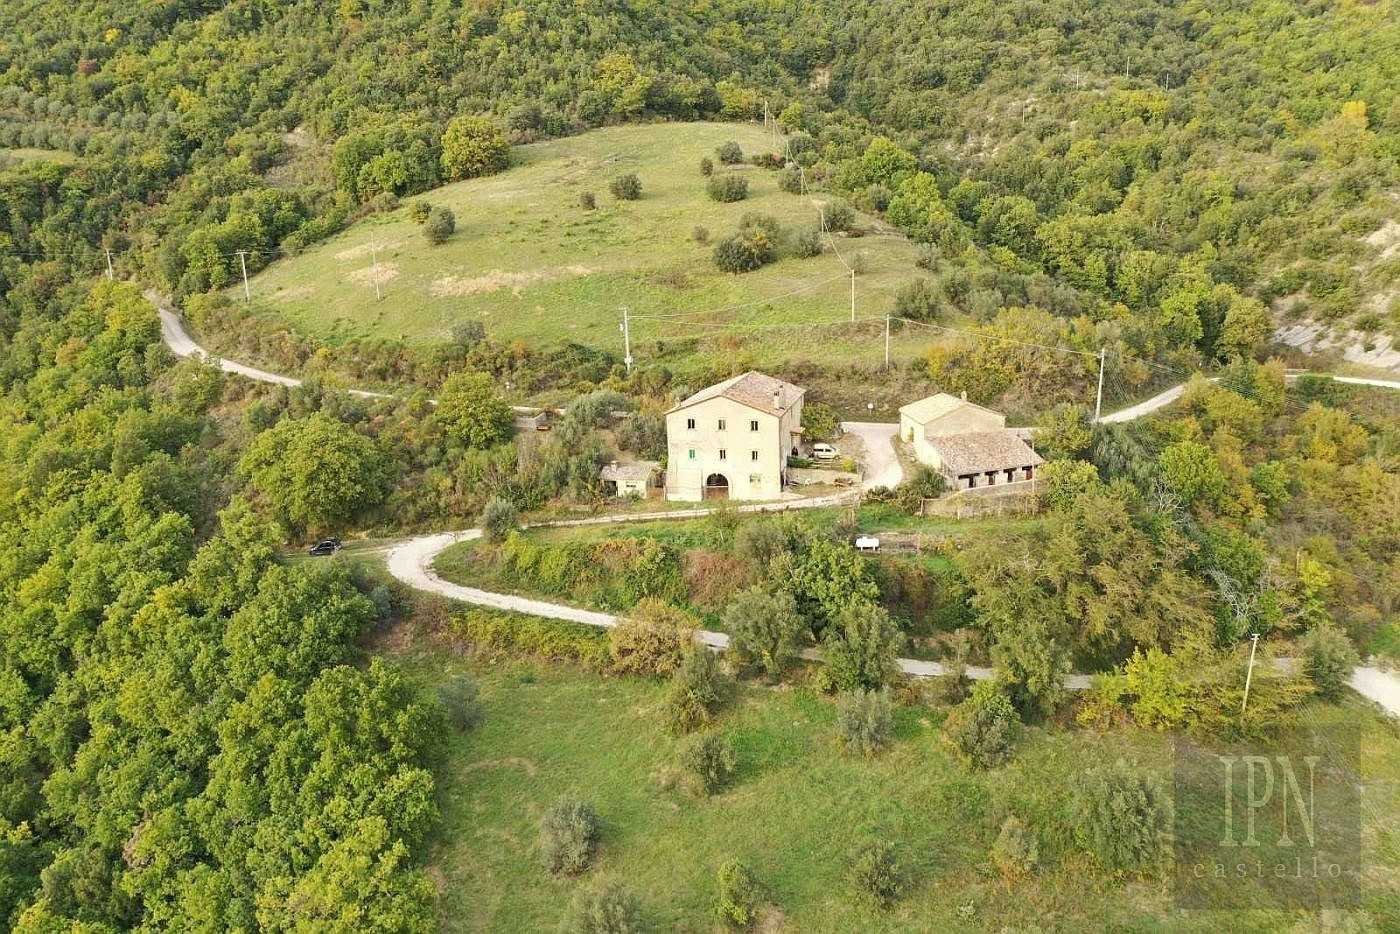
(983, 728)
(1015, 853)
(697, 691)
(807, 243)
(460, 699)
(1066, 432)
(864, 721)
(727, 187)
(569, 835)
(740, 895)
(744, 251)
(440, 224)
(922, 483)
(707, 166)
(531, 635)
(473, 146)
(877, 874)
(614, 574)
(920, 300)
(917, 208)
(588, 200)
(709, 759)
(861, 647)
(825, 577)
(790, 181)
(730, 153)
(1124, 818)
(1197, 688)
(419, 211)
(606, 908)
(626, 187)
(1191, 471)
(1328, 660)
(472, 413)
(315, 472)
(653, 639)
(499, 519)
(837, 215)
(819, 421)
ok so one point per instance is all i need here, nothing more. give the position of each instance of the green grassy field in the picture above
(532, 264)
(38, 155)
(798, 807)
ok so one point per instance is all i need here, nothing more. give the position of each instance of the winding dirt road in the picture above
(412, 561)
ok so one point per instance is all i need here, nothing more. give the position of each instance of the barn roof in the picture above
(981, 451)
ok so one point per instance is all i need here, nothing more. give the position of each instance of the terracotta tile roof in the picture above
(754, 389)
(935, 407)
(980, 451)
(629, 470)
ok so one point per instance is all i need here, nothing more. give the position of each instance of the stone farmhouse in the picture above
(732, 440)
(968, 444)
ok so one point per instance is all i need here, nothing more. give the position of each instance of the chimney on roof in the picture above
(778, 398)
(964, 395)
(613, 465)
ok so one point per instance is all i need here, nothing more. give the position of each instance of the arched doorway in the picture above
(716, 486)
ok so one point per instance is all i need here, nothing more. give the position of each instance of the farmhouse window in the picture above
(690, 424)
(721, 424)
(753, 425)
(723, 453)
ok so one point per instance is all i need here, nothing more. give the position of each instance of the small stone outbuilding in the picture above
(630, 478)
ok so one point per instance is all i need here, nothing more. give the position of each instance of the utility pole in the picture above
(853, 296)
(887, 342)
(1098, 402)
(110, 274)
(374, 270)
(626, 328)
(243, 263)
(1254, 644)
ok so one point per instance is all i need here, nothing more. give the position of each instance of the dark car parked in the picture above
(327, 547)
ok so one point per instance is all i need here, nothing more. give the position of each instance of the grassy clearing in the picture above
(531, 263)
(63, 157)
(798, 808)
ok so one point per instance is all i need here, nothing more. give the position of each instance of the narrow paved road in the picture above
(412, 561)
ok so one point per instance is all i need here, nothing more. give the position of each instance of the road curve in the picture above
(412, 561)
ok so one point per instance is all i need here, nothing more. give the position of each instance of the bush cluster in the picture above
(626, 187)
(606, 908)
(865, 721)
(740, 895)
(984, 727)
(696, 692)
(729, 153)
(495, 630)
(615, 574)
(569, 833)
(727, 188)
(876, 874)
(653, 639)
(709, 760)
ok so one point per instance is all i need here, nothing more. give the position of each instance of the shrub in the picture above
(460, 702)
(864, 721)
(838, 215)
(471, 412)
(473, 146)
(744, 252)
(790, 180)
(530, 635)
(860, 648)
(467, 334)
(700, 234)
(707, 166)
(739, 895)
(877, 875)
(499, 519)
(419, 211)
(983, 728)
(1123, 818)
(696, 692)
(951, 687)
(1328, 660)
(877, 197)
(729, 153)
(920, 300)
(440, 224)
(588, 200)
(924, 483)
(1015, 853)
(607, 908)
(757, 220)
(652, 639)
(764, 628)
(709, 758)
(569, 834)
(626, 187)
(807, 243)
(727, 188)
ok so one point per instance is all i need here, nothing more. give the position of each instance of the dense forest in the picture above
(194, 734)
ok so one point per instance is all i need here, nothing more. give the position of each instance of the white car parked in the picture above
(823, 452)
